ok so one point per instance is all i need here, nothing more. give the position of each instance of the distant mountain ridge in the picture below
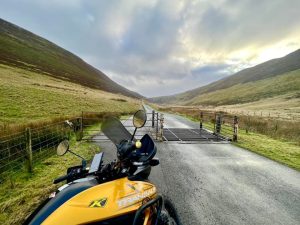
(269, 69)
(21, 48)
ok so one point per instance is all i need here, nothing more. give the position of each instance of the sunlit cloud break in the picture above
(160, 47)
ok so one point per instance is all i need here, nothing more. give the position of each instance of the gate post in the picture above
(77, 128)
(218, 123)
(215, 120)
(161, 126)
(201, 120)
(235, 128)
(153, 118)
(156, 127)
(81, 126)
(28, 150)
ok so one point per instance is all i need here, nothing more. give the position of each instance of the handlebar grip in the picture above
(60, 179)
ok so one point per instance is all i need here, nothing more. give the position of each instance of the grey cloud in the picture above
(236, 24)
(159, 47)
(210, 69)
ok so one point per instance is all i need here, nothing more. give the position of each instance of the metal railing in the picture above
(220, 124)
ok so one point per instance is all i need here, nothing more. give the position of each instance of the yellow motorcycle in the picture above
(112, 194)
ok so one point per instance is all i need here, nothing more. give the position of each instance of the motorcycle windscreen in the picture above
(115, 130)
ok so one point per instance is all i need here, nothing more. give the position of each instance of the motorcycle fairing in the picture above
(122, 197)
(60, 198)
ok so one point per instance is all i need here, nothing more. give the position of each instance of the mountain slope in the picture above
(23, 49)
(27, 97)
(269, 69)
(286, 84)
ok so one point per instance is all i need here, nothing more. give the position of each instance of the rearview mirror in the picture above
(62, 148)
(139, 118)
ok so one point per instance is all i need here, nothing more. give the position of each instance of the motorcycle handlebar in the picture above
(60, 179)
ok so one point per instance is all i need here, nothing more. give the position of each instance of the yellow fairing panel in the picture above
(102, 202)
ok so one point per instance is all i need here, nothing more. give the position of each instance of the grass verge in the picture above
(20, 195)
(280, 150)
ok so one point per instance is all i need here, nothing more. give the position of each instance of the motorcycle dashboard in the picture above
(96, 163)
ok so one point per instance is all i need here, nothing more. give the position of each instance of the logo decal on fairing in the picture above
(98, 203)
(135, 198)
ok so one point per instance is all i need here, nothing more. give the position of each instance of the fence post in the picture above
(161, 126)
(215, 120)
(218, 123)
(81, 127)
(156, 127)
(28, 150)
(153, 118)
(247, 124)
(201, 120)
(235, 128)
(77, 129)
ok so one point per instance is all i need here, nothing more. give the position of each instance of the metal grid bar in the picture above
(184, 134)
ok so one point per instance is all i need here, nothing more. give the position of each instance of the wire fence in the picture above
(268, 124)
(19, 151)
(271, 115)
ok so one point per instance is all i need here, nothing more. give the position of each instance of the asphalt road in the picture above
(218, 183)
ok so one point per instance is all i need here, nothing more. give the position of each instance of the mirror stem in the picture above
(133, 134)
(83, 159)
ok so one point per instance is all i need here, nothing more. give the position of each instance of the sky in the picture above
(163, 47)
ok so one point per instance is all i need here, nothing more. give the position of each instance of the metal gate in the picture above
(91, 125)
(213, 127)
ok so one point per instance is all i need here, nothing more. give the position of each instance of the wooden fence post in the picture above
(28, 150)
(218, 123)
(153, 118)
(161, 126)
(156, 126)
(235, 128)
(201, 120)
(77, 129)
(215, 120)
(81, 126)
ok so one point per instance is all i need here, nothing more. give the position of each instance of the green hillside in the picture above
(23, 49)
(288, 83)
(27, 96)
(243, 79)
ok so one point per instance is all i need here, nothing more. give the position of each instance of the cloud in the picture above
(160, 47)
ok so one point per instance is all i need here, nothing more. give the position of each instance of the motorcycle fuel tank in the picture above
(102, 202)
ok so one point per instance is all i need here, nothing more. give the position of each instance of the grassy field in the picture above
(253, 91)
(282, 145)
(283, 107)
(27, 96)
(276, 97)
(24, 192)
(23, 49)
(282, 151)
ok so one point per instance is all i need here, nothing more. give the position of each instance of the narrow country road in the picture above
(218, 183)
